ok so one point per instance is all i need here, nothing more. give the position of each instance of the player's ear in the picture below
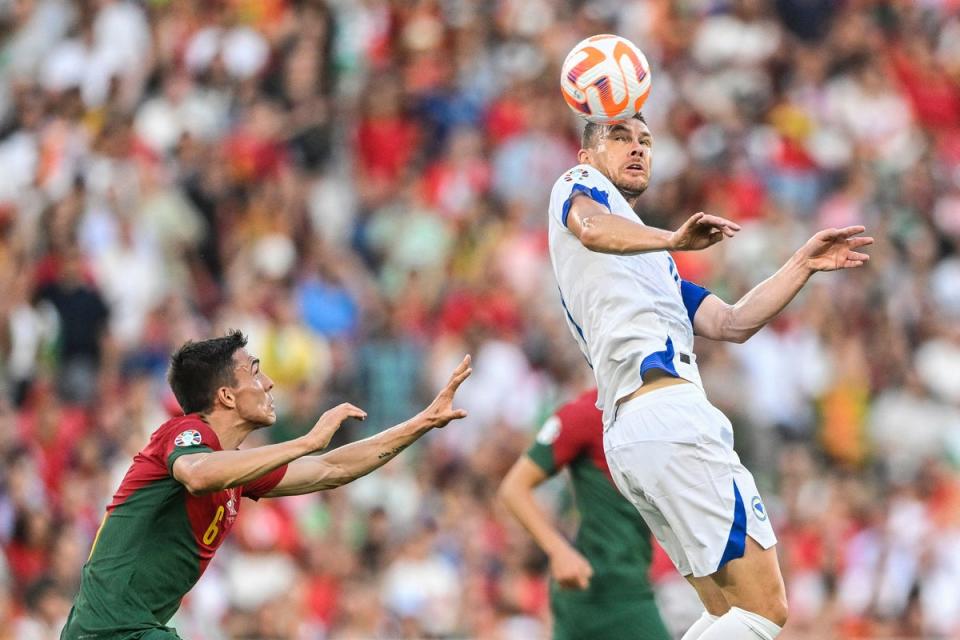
(584, 156)
(226, 398)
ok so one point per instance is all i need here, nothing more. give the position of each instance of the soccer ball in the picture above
(605, 78)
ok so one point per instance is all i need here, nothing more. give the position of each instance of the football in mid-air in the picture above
(605, 78)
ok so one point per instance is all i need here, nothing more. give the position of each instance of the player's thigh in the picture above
(575, 619)
(710, 594)
(753, 582)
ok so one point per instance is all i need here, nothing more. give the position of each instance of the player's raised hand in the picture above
(702, 230)
(833, 249)
(319, 436)
(441, 411)
(570, 569)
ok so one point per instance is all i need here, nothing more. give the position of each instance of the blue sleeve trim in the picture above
(595, 194)
(693, 295)
(737, 541)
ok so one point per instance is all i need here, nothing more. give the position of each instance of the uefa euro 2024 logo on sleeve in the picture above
(189, 438)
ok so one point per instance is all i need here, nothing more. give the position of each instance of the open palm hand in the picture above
(833, 249)
(441, 411)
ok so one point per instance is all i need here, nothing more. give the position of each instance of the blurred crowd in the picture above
(361, 187)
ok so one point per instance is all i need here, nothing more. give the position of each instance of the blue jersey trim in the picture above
(737, 542)
(660, 360)
(693, 296)
(576, 326)
(595, 194)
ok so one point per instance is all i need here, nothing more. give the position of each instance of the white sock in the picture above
(701, 625)
(738, 624)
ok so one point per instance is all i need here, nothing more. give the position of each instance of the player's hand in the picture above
(701, 230)
(570, 569)
(833, 249)
(319, 436)
(441, 411)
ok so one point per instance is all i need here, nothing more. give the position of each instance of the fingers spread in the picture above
(846, 232)
(855, 243)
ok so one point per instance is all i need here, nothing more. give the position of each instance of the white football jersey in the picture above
(629, 314)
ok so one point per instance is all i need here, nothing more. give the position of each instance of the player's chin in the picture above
(267, 419)
(634, 182)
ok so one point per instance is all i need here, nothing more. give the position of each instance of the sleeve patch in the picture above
(188, 438)
(549, 431)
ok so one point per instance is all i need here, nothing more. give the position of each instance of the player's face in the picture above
(625, 155)
(252, 391)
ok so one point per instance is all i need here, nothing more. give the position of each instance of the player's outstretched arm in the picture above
(567, 566)
(204, 473)
(827, 250)
(349, 462)
(602, 232)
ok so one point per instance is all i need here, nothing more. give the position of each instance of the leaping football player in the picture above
(669, 450)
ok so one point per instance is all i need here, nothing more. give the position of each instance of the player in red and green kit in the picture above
(600, 587)
(181, 495)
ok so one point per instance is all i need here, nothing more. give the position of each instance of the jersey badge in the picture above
(189, 438)
(549, 431)
(758, 509)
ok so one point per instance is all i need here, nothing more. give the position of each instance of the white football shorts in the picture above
(670, 453)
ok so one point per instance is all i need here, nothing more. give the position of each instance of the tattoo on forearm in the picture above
(392, 452)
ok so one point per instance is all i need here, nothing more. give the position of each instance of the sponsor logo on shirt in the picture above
(189, 438)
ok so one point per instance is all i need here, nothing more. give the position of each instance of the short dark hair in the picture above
(198, 369)
(593, 132)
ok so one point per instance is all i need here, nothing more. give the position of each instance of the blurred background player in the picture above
(670, 451)
(601, 587)
(181, 496)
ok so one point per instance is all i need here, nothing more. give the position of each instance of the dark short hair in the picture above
(198, 369)
(593, 132)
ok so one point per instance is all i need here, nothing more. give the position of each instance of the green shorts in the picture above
(577, 616)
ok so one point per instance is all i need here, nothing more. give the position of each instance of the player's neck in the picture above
(230, 428)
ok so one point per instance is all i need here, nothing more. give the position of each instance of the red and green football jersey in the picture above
(156, 539)
(612, 535)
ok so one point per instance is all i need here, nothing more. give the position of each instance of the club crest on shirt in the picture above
(189, 438)
(549, 431)
(758, 509)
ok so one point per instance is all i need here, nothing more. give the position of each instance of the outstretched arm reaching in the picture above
(599, 230)
(349, 462)
(827, 250)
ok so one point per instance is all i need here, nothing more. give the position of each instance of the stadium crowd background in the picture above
(361, 187)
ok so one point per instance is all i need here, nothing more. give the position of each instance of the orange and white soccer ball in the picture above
(605, 78)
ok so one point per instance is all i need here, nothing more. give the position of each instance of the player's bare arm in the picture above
(567, 566)
(602, 232)
(214, 471)
(827, 250)
(349, 462)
